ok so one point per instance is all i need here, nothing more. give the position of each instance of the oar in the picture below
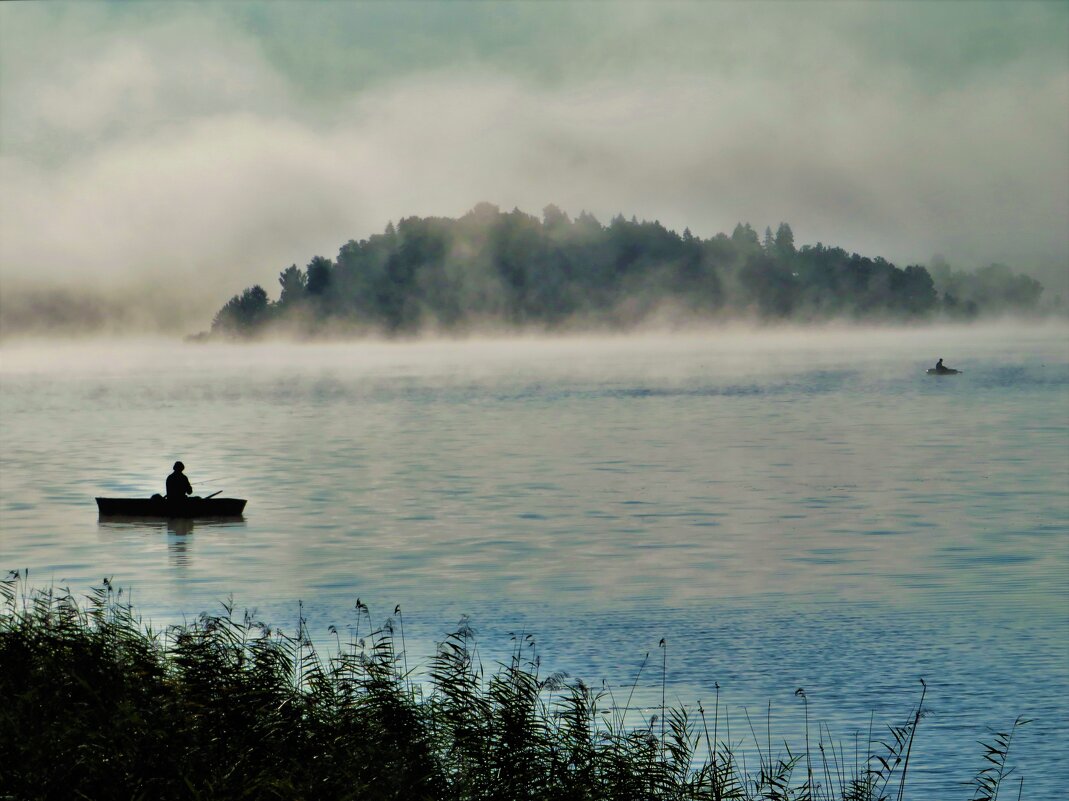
(212, 495)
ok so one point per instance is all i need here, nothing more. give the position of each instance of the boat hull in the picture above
(161, 507)
(947, 371)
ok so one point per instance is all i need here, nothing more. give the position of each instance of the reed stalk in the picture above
(98, 705)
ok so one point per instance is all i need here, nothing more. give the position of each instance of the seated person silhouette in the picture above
(178, 486)
(939, 368)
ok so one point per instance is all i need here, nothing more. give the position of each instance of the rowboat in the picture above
(944, 371)
(161, 507)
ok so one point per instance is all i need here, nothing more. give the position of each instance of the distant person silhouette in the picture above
(939, 365)
(178, 486)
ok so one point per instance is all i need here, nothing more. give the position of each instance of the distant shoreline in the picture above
(490, 269)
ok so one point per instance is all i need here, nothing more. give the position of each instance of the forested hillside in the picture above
(510, 269)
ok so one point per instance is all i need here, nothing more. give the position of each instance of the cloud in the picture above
(184, 152)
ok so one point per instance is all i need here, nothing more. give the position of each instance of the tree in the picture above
(769, 286)
(588, 221)
(745, 236)
(768, 244)
(319, 274)
(918, 290)
(554, 220)
(293, 283)
(243, 313)
(784, 240)
(484, 212)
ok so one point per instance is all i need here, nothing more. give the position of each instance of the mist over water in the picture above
(786, 507)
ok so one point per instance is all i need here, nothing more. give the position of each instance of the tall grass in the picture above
(97, 705)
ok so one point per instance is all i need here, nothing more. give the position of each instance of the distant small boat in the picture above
(944, 371)
(161, 507)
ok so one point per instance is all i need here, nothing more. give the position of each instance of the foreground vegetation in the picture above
(512, 270)
(96, 705)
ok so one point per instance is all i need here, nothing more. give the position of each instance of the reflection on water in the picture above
(179, 530)
(786, 511)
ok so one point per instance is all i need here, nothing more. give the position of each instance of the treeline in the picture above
(510, 269)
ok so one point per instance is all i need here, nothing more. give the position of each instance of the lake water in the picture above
(785, 508)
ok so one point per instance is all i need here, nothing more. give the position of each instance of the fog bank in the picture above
(195, 148)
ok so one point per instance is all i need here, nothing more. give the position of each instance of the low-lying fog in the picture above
(738, 349)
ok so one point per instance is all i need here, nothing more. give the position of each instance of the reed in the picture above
(98, 705)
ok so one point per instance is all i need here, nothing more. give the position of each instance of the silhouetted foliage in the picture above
(243, 313)
(294, 284)
(96, 705)
(511, 269)
(784, 241)
(994, 288)
(319, 276)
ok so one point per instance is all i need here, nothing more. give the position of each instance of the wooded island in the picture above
(511, 270)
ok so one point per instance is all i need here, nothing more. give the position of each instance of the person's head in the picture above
(179, 467)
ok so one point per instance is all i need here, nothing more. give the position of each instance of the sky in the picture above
(171, 154)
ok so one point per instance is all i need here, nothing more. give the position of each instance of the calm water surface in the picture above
(786, 509)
